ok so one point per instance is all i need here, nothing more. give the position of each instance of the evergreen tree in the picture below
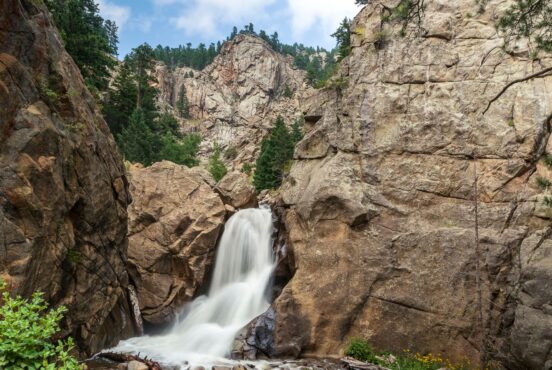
(216, 165)
(88, 38)
(142, 62)
(276, 152)
(167, 124)
(120, 101)
(182, 105)
(297, 130)
(137, 141)
(343, 38)
(181, 152)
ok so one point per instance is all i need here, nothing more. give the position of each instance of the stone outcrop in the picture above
(413, 210)
(174, 223)
(237, 191)
(63, 190)
(235, 100)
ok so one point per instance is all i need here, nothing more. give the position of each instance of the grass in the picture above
(361, 350)
(543, 183)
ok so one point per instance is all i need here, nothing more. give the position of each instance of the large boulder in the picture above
(174, 223)
(415, 193)
(237, 191)
(63, 190)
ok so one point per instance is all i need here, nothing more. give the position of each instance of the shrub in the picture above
(247, 168)
(26, 331)
(231, 153)
(548, 160)
(543, 183)
(216, 165)
(360, 350)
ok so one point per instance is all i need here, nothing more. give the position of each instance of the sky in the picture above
(175, 22)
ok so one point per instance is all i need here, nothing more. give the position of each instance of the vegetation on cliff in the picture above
(27, 329)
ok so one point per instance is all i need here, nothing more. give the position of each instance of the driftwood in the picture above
(351, 363)
(123, 357)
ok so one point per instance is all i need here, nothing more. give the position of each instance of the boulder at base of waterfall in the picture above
(174, 224)
(236, 190)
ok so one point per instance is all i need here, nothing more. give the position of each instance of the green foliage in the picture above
(406, 12)
(247, 168)
(529, 19)
(297, 130)
(361, 350)
(137, 141)
(343, 38)
(182, 104)
(548, 160)
(180, 151)
(287, 92)
(231, 153)
(543, 183)
(276, 151)
(26, 331)
(216, 165)
(88, 38)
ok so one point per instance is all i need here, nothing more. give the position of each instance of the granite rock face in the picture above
(411, 193)
(235, 100)
(175, 221)
(63, 190)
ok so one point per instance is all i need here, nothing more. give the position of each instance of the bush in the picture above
(26, 331)
(247, 168)
(231, 153)
(543, 183)
(216, 165)
(361, 350)
(180, 151)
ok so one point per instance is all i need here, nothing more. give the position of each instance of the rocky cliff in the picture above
(175, 221)
(63, 190)
(235, 100)
(413, 210)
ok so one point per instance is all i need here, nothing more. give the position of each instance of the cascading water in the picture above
(205, 331)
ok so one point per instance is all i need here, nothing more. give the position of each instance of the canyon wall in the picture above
(413, 210)
(63, 190)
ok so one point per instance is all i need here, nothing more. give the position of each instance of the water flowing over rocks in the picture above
(63, 190)
(235, 100)
(175, 221)
(381, 201)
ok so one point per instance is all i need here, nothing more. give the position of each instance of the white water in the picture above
(206, 328)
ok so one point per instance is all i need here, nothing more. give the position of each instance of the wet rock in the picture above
(63, 189)
(174, 224)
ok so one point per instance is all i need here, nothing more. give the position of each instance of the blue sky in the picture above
(174, 22)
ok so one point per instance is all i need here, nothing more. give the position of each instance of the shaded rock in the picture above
(63, 190)
(236, 190)
(174, 224)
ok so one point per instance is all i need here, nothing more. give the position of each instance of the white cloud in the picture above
(204, 17)
(117, 13)
(323, 15)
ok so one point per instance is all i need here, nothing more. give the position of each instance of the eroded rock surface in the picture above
(382, 204)
(236, 99)
(63, 190)
(174, 223)
(237, 191)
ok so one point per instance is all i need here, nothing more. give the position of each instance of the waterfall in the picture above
(206, 328)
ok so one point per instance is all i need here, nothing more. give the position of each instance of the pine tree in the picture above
(88, 38)
(180, 152)
(137, 141)
(297, 130)
(216, 165)
(120, 101)
(276, 152)
(343, 38)
(182, 105)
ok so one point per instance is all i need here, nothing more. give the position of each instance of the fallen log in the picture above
(353, 364)
(124, 357)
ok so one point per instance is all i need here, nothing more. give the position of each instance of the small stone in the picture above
(137, 365)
